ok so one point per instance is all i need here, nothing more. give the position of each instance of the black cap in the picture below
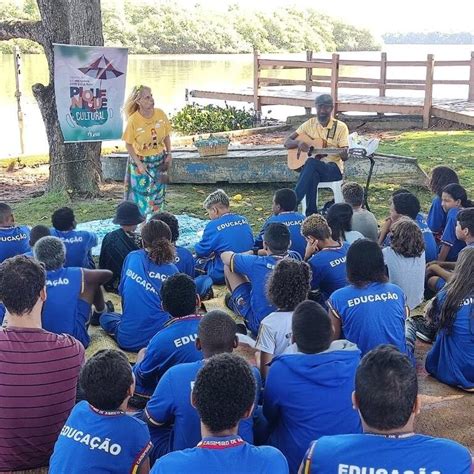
(324, 99)
(127, 213)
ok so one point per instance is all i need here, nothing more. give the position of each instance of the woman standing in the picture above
(147, 139)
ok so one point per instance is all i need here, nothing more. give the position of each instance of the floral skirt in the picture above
(145, 189)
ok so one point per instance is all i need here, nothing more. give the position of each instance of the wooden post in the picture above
(256, 84)
(309, 74)
(18, 84)
(428, 90)
(470, 96)
(383, 77)
(334, 79)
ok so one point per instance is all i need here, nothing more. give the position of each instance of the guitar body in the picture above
(295, 162)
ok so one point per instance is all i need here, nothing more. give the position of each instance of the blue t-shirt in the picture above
(225, 455)
(451, 360)
(431, 248)
(307, 396)
(173, 345)
(184, 261)
(372, 315)
(366, 453)
(257, 269)
(329, 269)
(171, 402)
(14, 241)
(140, 285)
(293, 221)
(436, 216)
(449, 235)
(78, 246)
(96, 442)
(229, 232)
(63, 310)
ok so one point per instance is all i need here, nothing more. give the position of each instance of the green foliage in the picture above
(194, 118)
(165, 27)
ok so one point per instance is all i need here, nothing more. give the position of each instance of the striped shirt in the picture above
(38, 379)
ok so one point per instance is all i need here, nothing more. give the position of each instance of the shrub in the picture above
(194, 118)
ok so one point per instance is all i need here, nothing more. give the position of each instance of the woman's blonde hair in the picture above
(407, 239)
(131, 104)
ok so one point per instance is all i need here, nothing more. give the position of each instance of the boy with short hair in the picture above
(247, 275)
(171, 400)
(308, 393)
(78, 242)
(327, 258)
(223, 395)
(225, 232)
(386, 397)
(71, 291)
(13, 238)
(174, 344)
(37, 232)
(283, 208)
(363, 220)
(98, 435)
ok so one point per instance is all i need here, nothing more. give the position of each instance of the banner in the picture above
(89, 82)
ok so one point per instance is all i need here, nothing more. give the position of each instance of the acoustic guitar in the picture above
(318, 148)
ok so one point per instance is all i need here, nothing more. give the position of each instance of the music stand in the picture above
(362, 153)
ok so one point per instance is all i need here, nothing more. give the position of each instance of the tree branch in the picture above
(31, 30)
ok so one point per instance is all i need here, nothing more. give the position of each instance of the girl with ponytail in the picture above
(143, 274)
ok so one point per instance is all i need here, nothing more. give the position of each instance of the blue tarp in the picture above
(190, 230)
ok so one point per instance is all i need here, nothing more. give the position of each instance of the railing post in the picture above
(334, 79)
(256, 84)
(309, 74)
(428, 90)
(470, 96)
(383, 77)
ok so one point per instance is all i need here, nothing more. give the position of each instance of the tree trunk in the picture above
(74, 167)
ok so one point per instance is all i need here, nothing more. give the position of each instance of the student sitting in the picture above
(184, 258)
(339, 219)
(143, 274)
(71, 291)
(407, 204)
(363, 221)
(78, 242)
(386, 397)
(308, 393)
(369, 311)
(438, 273)
(441, 176)
(226, 232)
(13, 238)
(405, 260)
(454, 199)
(119, 243)
(288, 286)
(39, 370)
(174, 344)
(171, 401)
(283, 208)
(451, 360)
(247, 275)
(36, 233)
(327, 256)
(98, 435)
(223, 394)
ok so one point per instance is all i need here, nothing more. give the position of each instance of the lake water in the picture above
(170, 75)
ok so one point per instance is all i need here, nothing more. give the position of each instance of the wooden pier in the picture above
(283, 91)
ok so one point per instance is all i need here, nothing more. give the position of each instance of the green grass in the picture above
(453, 148)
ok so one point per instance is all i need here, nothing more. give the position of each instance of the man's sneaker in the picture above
(424, 330)
(95, 318)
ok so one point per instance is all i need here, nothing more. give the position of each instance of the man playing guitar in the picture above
(321, 131)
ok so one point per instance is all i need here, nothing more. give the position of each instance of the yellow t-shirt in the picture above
(147, 135)
(315, 130)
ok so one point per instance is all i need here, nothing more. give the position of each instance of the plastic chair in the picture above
(334, 186)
